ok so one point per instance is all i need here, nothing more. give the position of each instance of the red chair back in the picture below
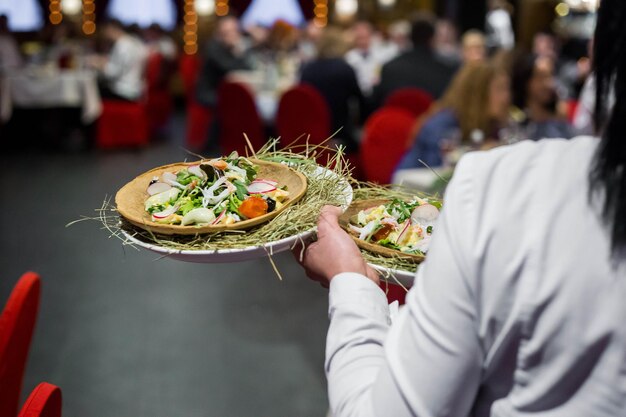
(153, 71)
(237, 114)
(122, 124)
(414, 100)
(189, 67)
(303, 116)
(44, 401)
(17, 323)
(386, 138)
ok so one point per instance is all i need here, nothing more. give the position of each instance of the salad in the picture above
(219, 191)
(398, 225)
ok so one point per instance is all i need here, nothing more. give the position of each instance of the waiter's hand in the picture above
(334, 251)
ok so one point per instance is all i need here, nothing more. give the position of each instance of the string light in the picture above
(222, 8)
(321, 13)
(89, 17)
(190, 28)
(55, 16)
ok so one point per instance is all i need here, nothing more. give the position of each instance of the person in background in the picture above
(122, 70)
(535, 94)
(10, 57)
(399, 34)
(160, 42)
(307, 47)
(446, 41)
(518, 309)
(365, 58)
(335, 79)
(499, 25)
(473, 109)
(473, 46)
(420, 67)
(224, 53)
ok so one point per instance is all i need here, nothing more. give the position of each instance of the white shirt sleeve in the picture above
(429, 362)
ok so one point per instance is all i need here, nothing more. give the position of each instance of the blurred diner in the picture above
(418, 67)
(536, 95)
(122, 69)
(471, 113)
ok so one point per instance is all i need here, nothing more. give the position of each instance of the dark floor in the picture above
(124, 334)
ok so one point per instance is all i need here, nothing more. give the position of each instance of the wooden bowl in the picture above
(354, 209)
(130, 199)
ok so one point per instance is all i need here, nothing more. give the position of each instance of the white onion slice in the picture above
(165, 213)
(199, 215)
(197, 171)
(367, 230)
(158, 187)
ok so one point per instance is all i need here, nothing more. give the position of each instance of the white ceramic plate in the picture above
(404, 277)
(242, 254)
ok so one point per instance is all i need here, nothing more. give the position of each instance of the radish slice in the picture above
(168, 176)
(270, 182)
(158, 187)
(404, 231)
(165, 213)
(426, 213)
(219, 218)
(260, 188)
(195, 170)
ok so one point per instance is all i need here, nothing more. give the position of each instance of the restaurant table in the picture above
(267, 90)
(45, 87)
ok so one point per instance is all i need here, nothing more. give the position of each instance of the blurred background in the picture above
(95, 92)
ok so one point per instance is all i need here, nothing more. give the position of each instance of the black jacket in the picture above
(419, 68)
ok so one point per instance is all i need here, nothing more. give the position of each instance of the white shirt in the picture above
(367, 66)
(500, 29)
(517, 310)
(124, 70)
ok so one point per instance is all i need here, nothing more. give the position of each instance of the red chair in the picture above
(386, 137)
(189, 68)
(303, 117)
(159, 99)
(237, 114)
(571, 107)
(122, 124)
(17, 323)
(199, 117)
(414, 100)
(394, 292)
(44, 401)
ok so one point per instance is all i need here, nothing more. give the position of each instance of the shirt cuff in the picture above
(357, 292)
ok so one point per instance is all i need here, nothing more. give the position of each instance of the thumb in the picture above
(329, 219)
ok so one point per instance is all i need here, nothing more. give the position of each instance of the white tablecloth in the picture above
(421, 179)
(42, 89)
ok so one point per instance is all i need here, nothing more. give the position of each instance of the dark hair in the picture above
(522, 73)
(114, 23)
(608, 172)
(422, 29)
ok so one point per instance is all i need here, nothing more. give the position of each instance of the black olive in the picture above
(271, 204)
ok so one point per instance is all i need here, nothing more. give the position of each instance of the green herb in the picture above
(241, 190)
(429, 230)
